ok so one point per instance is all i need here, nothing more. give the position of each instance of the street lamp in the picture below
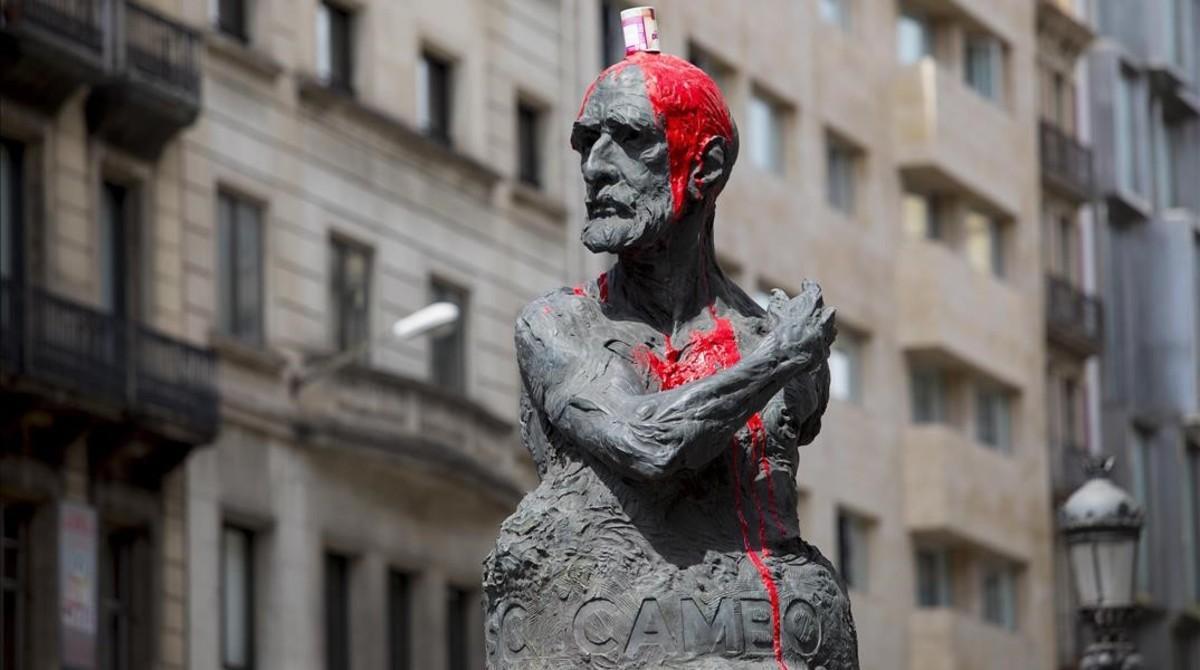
(427, 319)
(1101, 524)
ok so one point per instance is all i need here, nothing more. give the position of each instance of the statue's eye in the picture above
(628, 135)
(583, 139)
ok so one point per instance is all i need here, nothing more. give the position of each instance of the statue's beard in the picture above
(615, 234)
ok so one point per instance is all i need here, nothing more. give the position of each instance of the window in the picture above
(458, 620)
(230, 18)
(337, 611)
(923, 216)
(14, 585)
(529, 144)
(335, 65)
(933, 578)
(1066, 248)
(612, 36)
(765, 133)
(350, 293)
(11, 190)
(983, 240)
(841, 172)
(400, 612)
(449, 347)
(914, 38)
(853, 562)
(434, 97)
(928, 396)
(1142, 481)
(993, 418)
(838, 13)
(114, 241)
(845, 367)
(1192, 506)
(984, 66)
(237, 598)
(1000, 595)
(1125, 126)
(239, 257)
(126, 628)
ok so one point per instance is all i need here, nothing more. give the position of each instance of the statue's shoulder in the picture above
(556, 313)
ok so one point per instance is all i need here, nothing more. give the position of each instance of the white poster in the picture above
(77, 585)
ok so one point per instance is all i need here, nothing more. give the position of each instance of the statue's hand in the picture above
(803, 327)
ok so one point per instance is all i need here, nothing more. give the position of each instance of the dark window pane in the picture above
(335, 48)
(399, 621)
(239, 259)
(231, 19)
(11, 190)
(337, 612)
(113, 239)
(350, 293)
(845, 545)
(457, 620)
(126, 625)
(529, 159)
(434, 97)
(14, 584)
(449, 348)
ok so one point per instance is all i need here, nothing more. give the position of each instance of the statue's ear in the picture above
(711, 168)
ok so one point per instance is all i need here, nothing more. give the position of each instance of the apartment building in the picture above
(1073, 312)
(890, 151)
(1144, 101)
(201, 199)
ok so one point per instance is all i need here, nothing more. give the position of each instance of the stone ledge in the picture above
(318, 94)
(252, 59)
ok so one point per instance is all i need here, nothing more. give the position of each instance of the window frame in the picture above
(924, 26)
(341, 248)
(939, 407)
(236, 26)
(1005, 612)
(458, 625)
(337, 579)
(400, 619)
(767, 113)
(943, 584)
(992, 87)
(531, 151)
(248, 537)
(230, 239)
(435, 109)
(843, 162)
(335, 46)
(989, 400)
(15, 541)
(456, 379)
(853, 345)
(838, 13)
(854, 549)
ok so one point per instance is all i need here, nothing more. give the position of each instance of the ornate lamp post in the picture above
(1101, 524)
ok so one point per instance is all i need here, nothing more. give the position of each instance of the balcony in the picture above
(1066, 163)
(50, 48)
(58, 349)
(950, 308)
(947, 137)
(1073, 318)
(944, 639)
(961, 492)
(155, 89)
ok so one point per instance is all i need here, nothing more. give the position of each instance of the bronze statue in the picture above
(664, 410)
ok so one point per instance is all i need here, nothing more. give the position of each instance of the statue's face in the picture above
(625, 165)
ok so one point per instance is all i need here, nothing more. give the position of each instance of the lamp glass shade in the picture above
(1104, 571)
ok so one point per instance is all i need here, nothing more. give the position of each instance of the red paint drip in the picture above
(710, 351)
(602, 283)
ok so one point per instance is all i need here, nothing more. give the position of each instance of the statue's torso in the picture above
(597, 569)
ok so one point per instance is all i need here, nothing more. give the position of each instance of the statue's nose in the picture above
(598, 167)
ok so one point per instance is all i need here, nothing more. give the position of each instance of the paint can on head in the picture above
(640, 28)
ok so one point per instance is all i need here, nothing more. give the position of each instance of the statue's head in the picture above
(657, 142)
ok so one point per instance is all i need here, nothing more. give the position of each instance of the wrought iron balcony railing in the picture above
(161, 50)
(107, 360)
(1066, 163)
(1074, 319)
(52, 47)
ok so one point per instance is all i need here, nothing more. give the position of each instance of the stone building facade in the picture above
(1144, 107)
(320, 169)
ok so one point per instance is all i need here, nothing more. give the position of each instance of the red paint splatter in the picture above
(579, 290)
(602, 283)
(708, 352)
(689, 105)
